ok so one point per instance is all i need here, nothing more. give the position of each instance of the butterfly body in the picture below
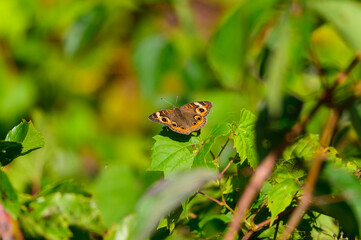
(186, 119)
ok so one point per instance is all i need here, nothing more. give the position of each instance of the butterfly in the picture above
(186, 119)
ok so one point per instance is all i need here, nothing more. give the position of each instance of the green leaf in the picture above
(220, 129)
(129, 184)
(277, 66)
(263, 195)
(224, 218)
(303, 148)
(281, 196)
(326, 227)
(84, 30)
(164, 197)
(228, 48)
(9, 151)
(8, 196)
(153, 57)
(120, 231)
(339, 210)
(271, 130)
(67, 186)
(51, 216)
(281, 174)
(170, 156)
(348, 186)
(344, 15)
(245, 139)
(337, 161)
(185, 205)
(27, 135)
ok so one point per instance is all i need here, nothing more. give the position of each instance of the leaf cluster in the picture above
(59, 211)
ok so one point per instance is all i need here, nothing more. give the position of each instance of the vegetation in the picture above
(280, 155)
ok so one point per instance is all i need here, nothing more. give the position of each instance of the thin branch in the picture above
(226, 168)
(223, 199)
(213, 199)
(328, 199)
(276, 230)
(256, 182)
(344, 74)
(214, 157)
(223, 147)
(312, 175)
(266, 222)
(223, 203)
(265, 168)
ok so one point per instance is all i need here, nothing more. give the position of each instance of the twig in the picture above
(213, 199)
(256, 182)
(226, 168)
(265, 168)
(276, 230)
(344, 74)
(223, 199)
(312, 175)
(266, 222)
(214, 157)
(223, 203)
(223, 147)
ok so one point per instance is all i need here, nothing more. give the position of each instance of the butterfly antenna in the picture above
(167, 101)
(176, 100)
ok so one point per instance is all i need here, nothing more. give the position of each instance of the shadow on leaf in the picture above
(166, 132)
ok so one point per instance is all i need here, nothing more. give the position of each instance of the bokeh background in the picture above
(88, 74)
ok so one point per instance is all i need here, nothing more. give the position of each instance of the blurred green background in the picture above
(88, 74)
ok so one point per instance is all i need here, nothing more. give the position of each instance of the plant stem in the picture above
(276, 230)
(223, 147)
(213, 199)
(226, 168)
(223, 203)
(265, 168)
(266, 222)
(312, 175)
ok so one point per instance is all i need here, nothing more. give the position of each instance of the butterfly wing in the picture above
(170, 119)
(163, 117)
(195, 113)
(186, 119)
(202, 108)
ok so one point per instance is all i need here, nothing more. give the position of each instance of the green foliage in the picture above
(50, 216)
(21, 140)
(9, 198)
(170, 156)
(221, 129)
(244, 138)
(152, 59)
(281, 196)
(284, 80)
(344, 16)
(162, 198)
(50, 213)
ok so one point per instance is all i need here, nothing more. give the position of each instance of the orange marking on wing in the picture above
(167, 111)
(186, 106)
(190, 105)
(198, 124)
(180, 129)
(206, 104)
